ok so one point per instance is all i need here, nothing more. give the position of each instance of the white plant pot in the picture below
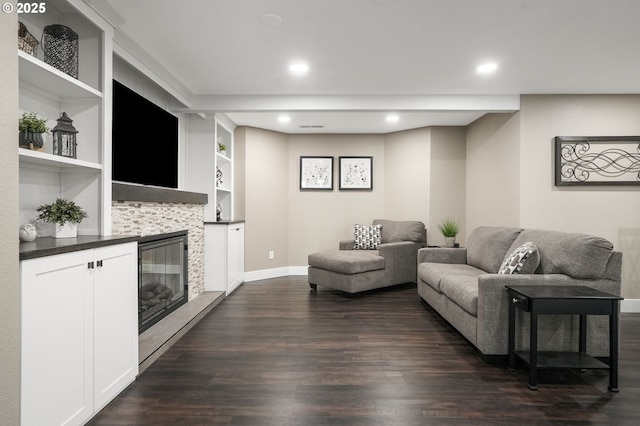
(449, 242)
(68, 230)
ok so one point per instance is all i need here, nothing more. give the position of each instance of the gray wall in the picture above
(510, 166)
(407, 168)
(9, 269)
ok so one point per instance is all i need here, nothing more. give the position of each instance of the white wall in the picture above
(9, 268)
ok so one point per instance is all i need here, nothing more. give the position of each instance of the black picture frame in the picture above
(597, 160)
(356, 173)
(316, 173)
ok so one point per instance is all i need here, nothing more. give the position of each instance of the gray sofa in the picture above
(463, 285)
(356, 270)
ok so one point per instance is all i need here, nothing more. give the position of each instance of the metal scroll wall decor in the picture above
(597, 160)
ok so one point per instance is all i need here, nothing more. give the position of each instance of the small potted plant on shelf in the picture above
(449, 229)
(65, 214)
(31, 128)
(222, 148)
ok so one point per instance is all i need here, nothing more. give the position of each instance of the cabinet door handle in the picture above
(90, 265)
(99, 263)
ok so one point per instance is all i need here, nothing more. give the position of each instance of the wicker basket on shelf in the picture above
(60, 48)
(27, 42)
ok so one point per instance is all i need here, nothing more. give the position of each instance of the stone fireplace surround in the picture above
(140, 210)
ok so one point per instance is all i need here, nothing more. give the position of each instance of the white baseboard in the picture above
(275, 273)
(630, 305)
(627, 305)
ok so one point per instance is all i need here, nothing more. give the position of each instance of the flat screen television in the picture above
(145, 140)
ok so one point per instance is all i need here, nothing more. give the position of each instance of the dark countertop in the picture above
(225, 222)
(49, 246)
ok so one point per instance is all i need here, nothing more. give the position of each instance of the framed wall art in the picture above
(597, 160)
(316, 173)
(356, 173)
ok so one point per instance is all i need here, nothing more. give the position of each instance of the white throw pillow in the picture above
(367, 237)
(523, 260)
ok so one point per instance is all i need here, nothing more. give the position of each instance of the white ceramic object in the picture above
(28, 232)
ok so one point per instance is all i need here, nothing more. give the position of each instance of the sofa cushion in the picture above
(488, 245)
(576, 255)
(522, 260)
(462, 290)
(367, 237)
(433, 273)
(347, 261)
(394, 231)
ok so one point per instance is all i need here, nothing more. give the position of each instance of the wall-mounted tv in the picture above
(145, 140)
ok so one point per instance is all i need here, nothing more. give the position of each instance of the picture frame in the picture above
(597, 160)
(356, 173)
(316, 173)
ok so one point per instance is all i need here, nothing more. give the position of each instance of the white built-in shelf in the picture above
(221, 189)
(39, 74)
(55, 161)
(223, 157)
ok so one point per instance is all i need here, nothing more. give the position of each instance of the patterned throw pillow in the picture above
(525, 255)
(367, 237)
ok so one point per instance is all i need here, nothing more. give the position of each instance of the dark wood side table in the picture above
(576, 300)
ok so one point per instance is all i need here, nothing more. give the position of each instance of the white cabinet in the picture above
(224, 256)
(48, 92)
(79, 332)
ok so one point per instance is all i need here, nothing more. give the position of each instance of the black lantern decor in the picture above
(64, 137)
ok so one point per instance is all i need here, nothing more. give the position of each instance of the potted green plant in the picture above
(65, 214)
(31, 128)
(222, 148)
(449, 229)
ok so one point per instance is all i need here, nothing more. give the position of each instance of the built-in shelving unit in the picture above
(210, 171)
(49, 92)
(224, 163)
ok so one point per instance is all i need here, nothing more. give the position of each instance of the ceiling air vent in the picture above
(312, 126)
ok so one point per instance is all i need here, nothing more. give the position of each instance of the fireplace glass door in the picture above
(163, 277)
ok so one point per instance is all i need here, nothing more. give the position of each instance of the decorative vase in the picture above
(68, 230)
(31, 140)
(27, 232)
(449, 242)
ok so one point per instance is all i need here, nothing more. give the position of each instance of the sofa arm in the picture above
(493, 308)
(346, 244)
(442, 255)
(399, 261)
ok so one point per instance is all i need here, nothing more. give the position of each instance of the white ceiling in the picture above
(415, 58)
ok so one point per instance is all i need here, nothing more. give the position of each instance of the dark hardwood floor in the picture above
(277, 353)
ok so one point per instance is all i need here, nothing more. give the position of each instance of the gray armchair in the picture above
(356, 270)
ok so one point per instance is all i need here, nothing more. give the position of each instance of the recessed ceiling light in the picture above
(284, 119)
(271, 19)
(487, 68)
(298, 68)
(392, 118)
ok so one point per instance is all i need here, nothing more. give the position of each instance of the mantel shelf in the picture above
(39, 74)
(55, 161)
